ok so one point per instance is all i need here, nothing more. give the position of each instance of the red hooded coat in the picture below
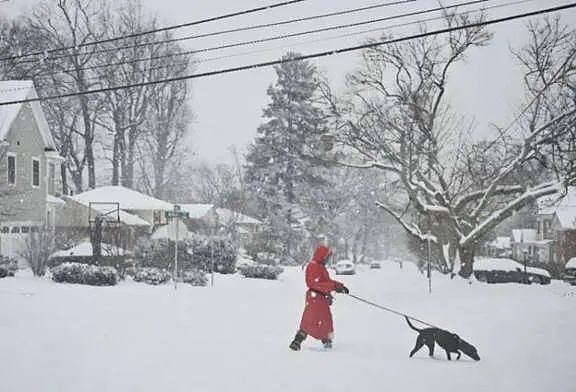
(317, 318)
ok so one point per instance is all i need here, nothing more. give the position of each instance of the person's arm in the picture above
(315, 282)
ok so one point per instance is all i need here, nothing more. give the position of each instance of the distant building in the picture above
(30, 167)
(208, 219)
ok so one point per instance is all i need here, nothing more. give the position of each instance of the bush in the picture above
(151, 275)
(261, 271)
(84, 274)
(120, 263)
(195, 278)
(8, 266)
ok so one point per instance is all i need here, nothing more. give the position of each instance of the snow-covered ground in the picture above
(234, 337)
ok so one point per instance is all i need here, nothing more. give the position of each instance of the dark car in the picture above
(503, 270)
(569, 275)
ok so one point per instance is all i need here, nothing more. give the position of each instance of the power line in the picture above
(167, 28)
(236, 30)
(303, 57)
(276, 38)
(211, 59)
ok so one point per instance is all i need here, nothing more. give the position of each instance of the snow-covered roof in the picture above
(129, 199)
(125, 217)
(524, 235)
(16, 90)
(197, 211)
(227, 215)
(85, 249)
(567, 217)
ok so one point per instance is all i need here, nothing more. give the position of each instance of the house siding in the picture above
(25, 202)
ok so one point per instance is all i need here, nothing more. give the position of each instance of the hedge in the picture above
(84, 274)
(261, 271)
(151, 275)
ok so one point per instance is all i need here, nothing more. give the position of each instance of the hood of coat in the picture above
(321, 254)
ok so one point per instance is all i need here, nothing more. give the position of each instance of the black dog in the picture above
(450, 342)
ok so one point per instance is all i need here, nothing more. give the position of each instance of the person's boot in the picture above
(327, 343)
(298, 339)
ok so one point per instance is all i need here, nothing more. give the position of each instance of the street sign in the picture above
(177, 213)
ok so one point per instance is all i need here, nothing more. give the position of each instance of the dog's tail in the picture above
(412, 326)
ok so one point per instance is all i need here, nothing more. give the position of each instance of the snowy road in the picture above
(234, 337)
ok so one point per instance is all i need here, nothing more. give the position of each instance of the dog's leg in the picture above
(429, 341)
(418, 346)
(448, 354)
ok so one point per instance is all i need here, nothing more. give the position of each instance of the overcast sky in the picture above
(228, 108)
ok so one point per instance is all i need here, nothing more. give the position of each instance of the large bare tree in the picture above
(450, 192)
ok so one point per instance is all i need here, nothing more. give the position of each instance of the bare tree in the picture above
(39, 245)
(397, 119)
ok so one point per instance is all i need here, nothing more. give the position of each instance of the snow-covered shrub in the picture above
(159, 253)
(151, 275)
(8, 266)
(120, 263)
(84, 274)
(194, 278)
(267, 258)
(195, 253)
(261, 271)
(202, 250)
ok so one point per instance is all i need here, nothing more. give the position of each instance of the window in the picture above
(35, 172)
(11, 169)
(15, 229)
(24, 229)
(5, 230)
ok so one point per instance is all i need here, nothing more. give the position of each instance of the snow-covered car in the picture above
(503, 270)
(375, 265)
(344, 267)
(570, 272)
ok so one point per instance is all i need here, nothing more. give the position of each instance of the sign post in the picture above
(174, 216)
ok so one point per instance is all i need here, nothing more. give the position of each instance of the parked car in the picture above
(375, 265)
(345, 267)
(570, 272)
(503, 270)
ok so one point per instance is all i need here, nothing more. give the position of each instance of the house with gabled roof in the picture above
(128, 215)
(30, 168)
(564, 226)
(557, 224)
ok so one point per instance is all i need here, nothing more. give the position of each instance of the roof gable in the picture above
(17, 90)
(566, 217)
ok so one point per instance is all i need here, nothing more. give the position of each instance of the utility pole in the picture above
(429, 272)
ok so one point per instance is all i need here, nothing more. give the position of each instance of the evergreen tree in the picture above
(277, 171)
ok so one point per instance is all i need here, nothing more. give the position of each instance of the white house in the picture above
(29, 168)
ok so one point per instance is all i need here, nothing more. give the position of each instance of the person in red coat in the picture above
(317, 318)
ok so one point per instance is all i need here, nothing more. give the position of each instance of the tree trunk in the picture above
(467, 260)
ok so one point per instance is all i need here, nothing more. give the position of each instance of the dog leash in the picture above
(390, 310)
